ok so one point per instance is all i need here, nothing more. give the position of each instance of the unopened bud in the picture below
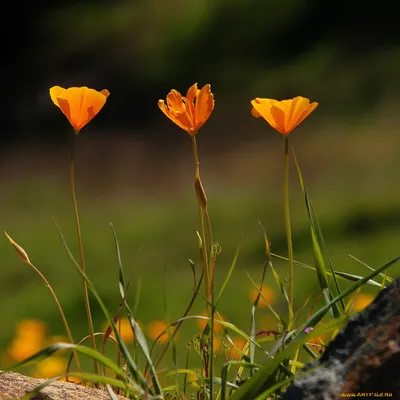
(200, 193)
(21, 252)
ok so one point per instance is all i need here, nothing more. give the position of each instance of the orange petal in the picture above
(192, 93)
(255, 113)
(204, 106)
(263, 108)
(279, 117)
(105, 92)
(185, 118)
(284, 115)
(304, 109)
(172, 116)
(174, 101)
(55, 92)
(81, 105)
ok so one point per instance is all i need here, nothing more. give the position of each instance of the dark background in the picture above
(344, 54)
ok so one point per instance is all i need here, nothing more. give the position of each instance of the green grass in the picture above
(154, 237)
(358, 213)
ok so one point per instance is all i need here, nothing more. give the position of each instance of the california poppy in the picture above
(190, 112)
(156, 328)
(79, 104)
(283, 115)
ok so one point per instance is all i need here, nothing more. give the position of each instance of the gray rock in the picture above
(364, 358)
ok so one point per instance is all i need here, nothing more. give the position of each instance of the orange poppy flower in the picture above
(124, 328)
(218, 328)
(283, 115)
(155, 329)
(268, 296)
(190, 112)
(362, 301)
(79, 104)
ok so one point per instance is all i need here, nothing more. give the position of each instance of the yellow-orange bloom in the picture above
(30, 338)
(31, 329)
(155, 328)
(283, 115)
(190, 112)
(362, 301)
(22, 348)
(124, 328)
(268, 296)
(79, 104)
(50, 367)
(218, 328)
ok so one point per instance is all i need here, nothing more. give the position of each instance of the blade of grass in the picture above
(252, 388)
(278, 281)
(228, 277)
(134, 370)
(253, 318)
(320, 313)
(178, 326)
(139, 335)
(111, 393)
(224, 373)
(382, 275)
(342, 275)
(50, 350)
(318, 257)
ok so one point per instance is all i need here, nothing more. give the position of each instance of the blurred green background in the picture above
(135, 168)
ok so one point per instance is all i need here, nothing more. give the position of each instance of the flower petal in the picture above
(263, 108)
(283, 115)
(174, 100)
(79, 104)
(192, 93)
(279, 117)
(163, 107)
(255, 113)
(304, 109)
(55, 92)
(204, 106)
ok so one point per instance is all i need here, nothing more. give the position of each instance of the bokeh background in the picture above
(135, 168)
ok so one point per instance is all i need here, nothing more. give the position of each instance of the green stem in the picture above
(69, 334)
(80, 246)
(288, 231)
(207, 268)
(212, 343)
(203, 249)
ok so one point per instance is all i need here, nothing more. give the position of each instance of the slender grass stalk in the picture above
(27, 261)
(288, 232)
(80, 246)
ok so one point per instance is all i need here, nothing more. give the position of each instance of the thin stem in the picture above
(212, 323)
(288, 231)
(203, 249)
(212, 261)
(212, 295)
(208, 268)
(80, 246)
(69, 334)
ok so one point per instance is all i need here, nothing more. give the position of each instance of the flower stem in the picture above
(80, 246)
(47, 284)
(288, 231)
(208, 261)
(204, 255)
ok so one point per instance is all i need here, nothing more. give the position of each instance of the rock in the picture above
(15, 386)
(363, 359)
